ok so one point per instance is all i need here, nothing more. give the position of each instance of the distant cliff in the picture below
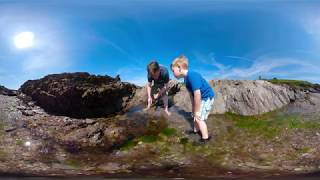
(6, 91)
(244, 97)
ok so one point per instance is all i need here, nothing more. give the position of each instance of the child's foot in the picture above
(192, 132)
(204, 141)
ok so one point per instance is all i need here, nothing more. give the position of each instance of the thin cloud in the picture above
(267, 66)
(116, 46)
(310, 22)
(291, 68)
(211, 60)
(111, 43)
(240, 58)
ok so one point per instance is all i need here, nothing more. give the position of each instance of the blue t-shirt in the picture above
(195, 81)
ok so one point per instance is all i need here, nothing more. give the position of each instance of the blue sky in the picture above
(222, 39)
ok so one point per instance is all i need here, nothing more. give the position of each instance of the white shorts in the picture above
(205, 108)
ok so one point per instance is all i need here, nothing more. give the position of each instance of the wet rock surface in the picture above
(43, 144)
(79, 94)
(148, 143)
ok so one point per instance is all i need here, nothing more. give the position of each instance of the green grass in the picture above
(169, 132)
(304, 150)
(149, 138)
(129, 144)
(271, 124)
(155, 126)
(77, 164)
(291, 83)
(2, 133)
(184, 141)
(19, 142)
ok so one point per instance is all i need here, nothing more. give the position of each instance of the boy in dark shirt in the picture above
(157, 87)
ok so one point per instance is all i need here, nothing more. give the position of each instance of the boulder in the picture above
(7, 92)
(79, 94)
(245, 97)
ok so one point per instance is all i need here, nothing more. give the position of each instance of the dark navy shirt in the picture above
(195, 81)
(163, 77)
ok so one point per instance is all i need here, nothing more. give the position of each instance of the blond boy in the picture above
(201, 95)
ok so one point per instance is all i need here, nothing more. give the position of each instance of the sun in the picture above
(24, 40)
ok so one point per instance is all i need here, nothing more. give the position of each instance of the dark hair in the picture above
(153, 66)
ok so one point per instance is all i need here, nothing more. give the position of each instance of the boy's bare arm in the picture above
(149, 95)
(149, 89)
(192, 102)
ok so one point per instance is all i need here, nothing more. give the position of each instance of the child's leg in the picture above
(203, 128)
(196, 126)
(205, 108)
(165, 100)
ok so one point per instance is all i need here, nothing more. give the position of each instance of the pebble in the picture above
(10, 128)
(27, 113)
(21, 107)
(31, 104)
(90, 121)
(37, 111)
(298, 169)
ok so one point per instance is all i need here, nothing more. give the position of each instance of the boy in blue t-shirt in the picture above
(201, 95)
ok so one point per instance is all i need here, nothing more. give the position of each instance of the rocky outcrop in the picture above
(85, 95)
(245, 97)
(79, 94)
(252, 97)
(7, 92)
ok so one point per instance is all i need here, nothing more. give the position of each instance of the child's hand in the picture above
(156, 96)
(196, 116)
(149, 104)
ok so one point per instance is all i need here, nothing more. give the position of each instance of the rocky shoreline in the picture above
(280, 137)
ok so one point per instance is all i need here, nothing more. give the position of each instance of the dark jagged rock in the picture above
(7, 92)
(79, 94)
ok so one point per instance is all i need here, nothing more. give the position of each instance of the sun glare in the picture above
(24, 40)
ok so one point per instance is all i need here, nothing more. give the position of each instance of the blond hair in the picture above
(181, 61)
